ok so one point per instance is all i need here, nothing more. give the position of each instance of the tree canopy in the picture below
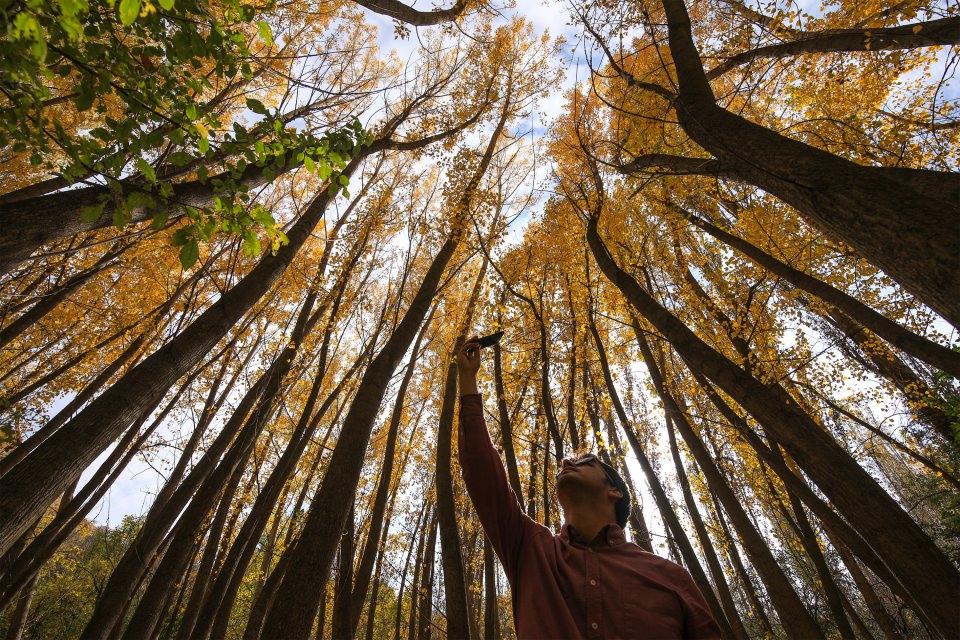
(240, 243)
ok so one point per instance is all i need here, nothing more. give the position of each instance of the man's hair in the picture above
(621, 508)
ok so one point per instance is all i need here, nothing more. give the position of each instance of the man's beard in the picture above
(575, 489)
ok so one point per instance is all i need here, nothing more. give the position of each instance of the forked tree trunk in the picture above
(893, 218)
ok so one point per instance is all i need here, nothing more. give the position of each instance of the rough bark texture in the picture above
(888, 218)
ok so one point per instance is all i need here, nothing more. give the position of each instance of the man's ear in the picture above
(617, 491)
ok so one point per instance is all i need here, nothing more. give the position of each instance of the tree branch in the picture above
(943, 32)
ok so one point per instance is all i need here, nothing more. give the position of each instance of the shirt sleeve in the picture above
(503, 520)
(698, 622)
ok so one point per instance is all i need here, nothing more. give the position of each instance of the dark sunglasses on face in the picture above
(590, 457)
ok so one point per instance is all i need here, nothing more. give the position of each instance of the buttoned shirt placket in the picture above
(594, 600)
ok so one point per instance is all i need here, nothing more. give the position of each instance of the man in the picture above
(588, 581)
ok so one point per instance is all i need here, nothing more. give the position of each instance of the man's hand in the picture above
(468, 363)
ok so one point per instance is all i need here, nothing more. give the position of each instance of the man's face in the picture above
(584, 479)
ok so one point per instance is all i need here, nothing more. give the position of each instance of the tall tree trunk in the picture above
(382, 491)
(879, 612)
(340, 623)
(52, 299)
(824, 512)
(873, 512)
(215, 613)
(425, 608)
(314, 548)
(506, 426)
(491, 609)
(884, 361)
(797, 621)
(641, 533)
(895, 219)
(418, 542)
(745, 581)
(297, 598)
(808, 538)
(663, 503)
(706, 545)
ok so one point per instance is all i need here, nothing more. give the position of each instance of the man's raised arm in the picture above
(496, 504)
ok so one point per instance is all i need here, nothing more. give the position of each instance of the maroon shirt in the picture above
(563, 586)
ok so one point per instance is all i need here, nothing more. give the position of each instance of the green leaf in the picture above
(147, 170)
(189, 254)
(256, 106)
(203, 139)
(129, 10)
(343, 180)
(266, 34)
(251, 243)
(180, 236)
(92, 212)
(166, 5)
(262, 216)
(309, 164)
(179, 158)
(191, 112)
(160, 219)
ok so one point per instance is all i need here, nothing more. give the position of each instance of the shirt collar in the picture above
(610, 535)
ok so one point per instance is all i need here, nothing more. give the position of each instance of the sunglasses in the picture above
(590, 457)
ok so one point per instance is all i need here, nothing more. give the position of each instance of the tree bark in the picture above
(506, 425)
(340, 623)
(894, 219)
(64, 456)
(424, 621)
(706, 545)
(382, 491)
(666, 509)
(405, 13)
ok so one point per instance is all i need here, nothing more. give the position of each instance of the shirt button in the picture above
(593, 582)
(594, 625)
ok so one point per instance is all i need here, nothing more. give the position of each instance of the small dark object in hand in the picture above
(490, 340)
